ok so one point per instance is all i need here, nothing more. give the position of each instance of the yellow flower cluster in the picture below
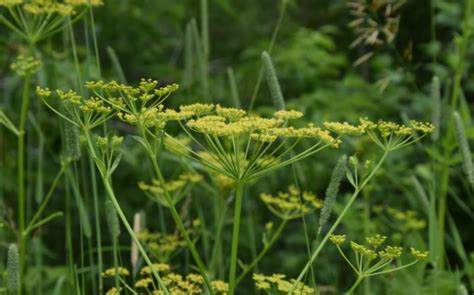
(337, 239)
(176, 283)
(419, 254)
(344, 128)
(85, 2)
(288, 114)
(287, 205)
(197, 109)
(385, 128)
(362, 250)
(158, 267)
(191, 284)
(391, 252)
(376, 241)
(172, 185)
(93, 107)
(111, 272)
(45, 3)
(276, 283)
(222, 122)
(407, 220)
(232, 114)
(46, 7)
(161, 246)
(9, 3)
(113, 291)
(26, 65)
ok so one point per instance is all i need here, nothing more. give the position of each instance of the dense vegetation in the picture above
(236, 147)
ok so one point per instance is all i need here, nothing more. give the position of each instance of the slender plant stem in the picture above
(356, 284)
(111, 194)
(97, 224)
(178, 221)
(239, 194)
(25, 101)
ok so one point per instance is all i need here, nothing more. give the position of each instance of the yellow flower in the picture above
(158, 267)
(419, 255)
(288, 114)
(111, 272)
(337, 239)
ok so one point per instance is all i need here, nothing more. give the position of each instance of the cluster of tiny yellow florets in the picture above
(337, 239)
(419, 254)
(158, 267)
(173, 185)
(26, 65)
(120, 271)
(176, 283)
(288, 205)
(50, 6)
(385, 128)
(90, 105)
(288, 114)
(388, 253)
(276, 284)
(406, 220)
(161, 246)
(233, 122)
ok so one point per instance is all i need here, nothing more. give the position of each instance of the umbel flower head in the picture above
(244, 147)
(177, 188)
(85, 113)
(388, 135)
(369, 261)
(292, 204)
(52, 12)
(277, 284)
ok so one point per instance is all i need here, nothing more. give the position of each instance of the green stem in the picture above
(338, 220)
(111, 194)
(178, 221)
(97, 224)
(25, 101)
(356, 284)
(239, 194)
(263, 252)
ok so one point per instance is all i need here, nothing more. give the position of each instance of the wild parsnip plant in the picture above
(371, 260)
(111, 184)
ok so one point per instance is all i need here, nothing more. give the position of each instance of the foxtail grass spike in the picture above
(332, 190)
(73, 145)
(436, 108)
(272, 81)
(463, 146)
(112, 219)
(13, 269)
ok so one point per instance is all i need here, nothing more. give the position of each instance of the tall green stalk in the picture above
(177, 218)
(239, 195)
(25, 101)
